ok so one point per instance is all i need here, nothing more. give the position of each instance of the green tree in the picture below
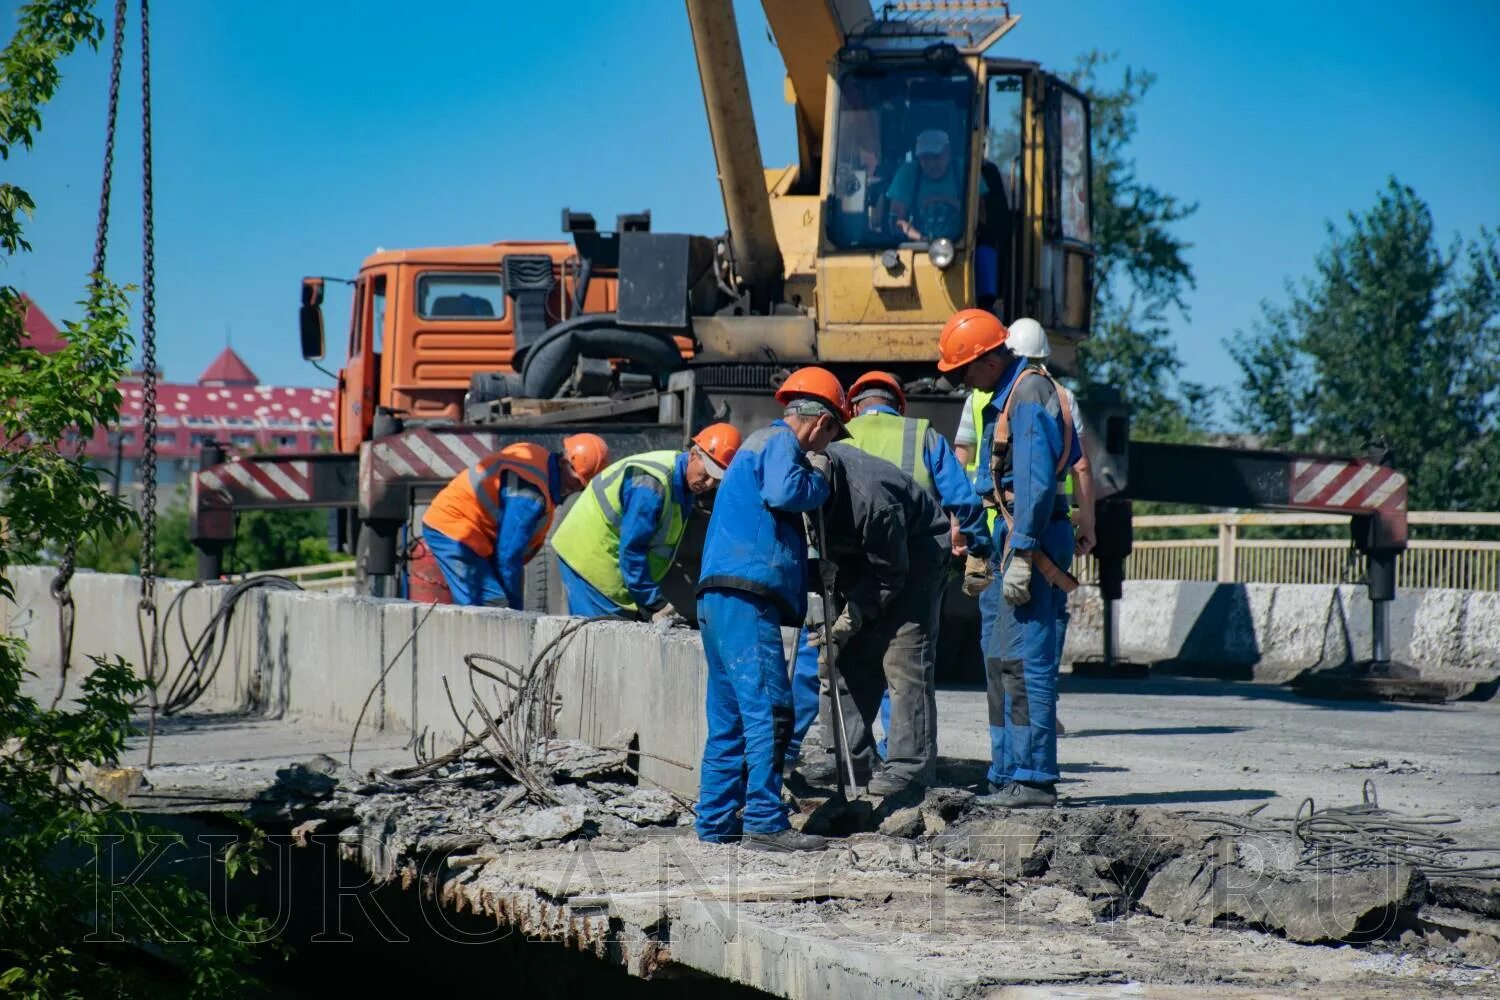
(51, 495)
(1141, 269)
(1393, 341)
(264, 540)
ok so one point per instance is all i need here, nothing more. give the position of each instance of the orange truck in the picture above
(436, 342)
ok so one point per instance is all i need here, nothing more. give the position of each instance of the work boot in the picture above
(885, 784)
(786, 840)
(1020, 795)
(819, 771)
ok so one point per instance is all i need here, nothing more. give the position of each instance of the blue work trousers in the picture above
(472, 578)
(1021, 667)
(749, 707)
(584, 599)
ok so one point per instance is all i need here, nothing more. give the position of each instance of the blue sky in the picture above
(295, 138)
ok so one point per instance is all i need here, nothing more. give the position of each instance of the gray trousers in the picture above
(898, 651)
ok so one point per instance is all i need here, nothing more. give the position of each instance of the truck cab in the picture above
(424, 322)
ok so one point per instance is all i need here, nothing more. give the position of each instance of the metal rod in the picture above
(1380, 623)
(841, 751)
(1110, 648)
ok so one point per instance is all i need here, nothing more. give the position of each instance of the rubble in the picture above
(1332, 906)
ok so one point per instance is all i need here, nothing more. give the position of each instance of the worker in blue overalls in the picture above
(754, 580)
(1026, 444)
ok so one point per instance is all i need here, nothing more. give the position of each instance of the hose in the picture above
(550, 361)
(207, 651)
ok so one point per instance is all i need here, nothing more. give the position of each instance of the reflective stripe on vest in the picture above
(527, 462)
(588, 539)
(902, 441)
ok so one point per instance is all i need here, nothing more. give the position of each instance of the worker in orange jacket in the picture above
(485, 525)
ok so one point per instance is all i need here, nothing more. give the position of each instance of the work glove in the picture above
(819, 461)
(977, 575)
(848, 623)
(1017, 580)
(666, 618)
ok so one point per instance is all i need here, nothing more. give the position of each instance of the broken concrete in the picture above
(1334, 906)
(1017, 900)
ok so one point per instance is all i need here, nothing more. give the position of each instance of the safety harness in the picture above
(1000, 449)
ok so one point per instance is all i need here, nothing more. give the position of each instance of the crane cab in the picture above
(949, 180)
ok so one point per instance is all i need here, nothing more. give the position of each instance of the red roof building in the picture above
(228, 369)
(41, 332)
(227, 404)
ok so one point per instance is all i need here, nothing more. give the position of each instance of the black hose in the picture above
(550, 361)
(205, 654)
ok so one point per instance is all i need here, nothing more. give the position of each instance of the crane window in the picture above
(901, 161)
(460, 296)
(1067, 165)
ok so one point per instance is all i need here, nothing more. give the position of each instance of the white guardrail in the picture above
(1221, 553)
(1227, 556)
(334, 576)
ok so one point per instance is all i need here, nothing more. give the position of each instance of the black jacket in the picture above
(885, 533)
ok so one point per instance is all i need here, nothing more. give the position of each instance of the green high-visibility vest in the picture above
(978, 400)
(902, 441)
(588, 539)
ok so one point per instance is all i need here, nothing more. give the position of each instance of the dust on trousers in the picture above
(898, 651)
(1021, 667)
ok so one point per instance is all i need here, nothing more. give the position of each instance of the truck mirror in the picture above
(310, 319)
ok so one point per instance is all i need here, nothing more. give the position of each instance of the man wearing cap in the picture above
(926, 200)
(618, 542)
(753, 581)
(490, 520)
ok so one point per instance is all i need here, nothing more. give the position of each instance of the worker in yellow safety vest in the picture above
(616, 545)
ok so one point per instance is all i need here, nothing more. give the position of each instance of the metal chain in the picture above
(61, 584)
(101, 230)
(148, 332)
(150, 634)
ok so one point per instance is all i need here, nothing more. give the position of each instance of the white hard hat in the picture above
(1028, 340)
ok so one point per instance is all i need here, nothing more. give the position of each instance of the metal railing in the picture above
(334, 576)
(1222, 554)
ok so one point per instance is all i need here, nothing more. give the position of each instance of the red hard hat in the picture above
(717, 443)
(881, 382)
(588, 454)
(815, 383)
(968, 335)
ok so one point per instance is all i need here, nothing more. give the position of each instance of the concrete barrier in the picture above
(1275, 632)
(621, 681)
(320, 656)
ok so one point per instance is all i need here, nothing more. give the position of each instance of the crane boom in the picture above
(731, 124)
(809, 34)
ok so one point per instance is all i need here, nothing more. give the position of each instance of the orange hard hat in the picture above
(881, 382)
(815, 383)
(717, 443)
(968, 335)
(587, 454)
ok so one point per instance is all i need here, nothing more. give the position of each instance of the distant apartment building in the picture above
(226, 404)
